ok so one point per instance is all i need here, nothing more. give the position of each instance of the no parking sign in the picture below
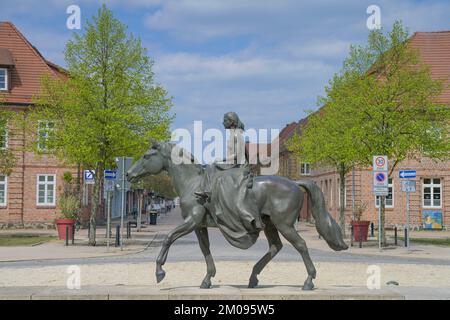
(380, 175)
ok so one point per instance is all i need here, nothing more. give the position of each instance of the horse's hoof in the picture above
(160, 276)
(206, 284)
(253, 282)
(308, 285)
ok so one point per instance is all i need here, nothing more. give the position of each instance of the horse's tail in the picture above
(325, 224)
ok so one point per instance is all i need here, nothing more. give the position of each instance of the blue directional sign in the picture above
(407, 174)
(110, 174)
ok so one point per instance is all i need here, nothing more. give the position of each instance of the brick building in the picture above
(433, 177)
(290, 167)
(28, 196)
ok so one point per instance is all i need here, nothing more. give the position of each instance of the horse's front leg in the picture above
(191, 222)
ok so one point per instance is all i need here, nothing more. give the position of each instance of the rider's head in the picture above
(232, 121)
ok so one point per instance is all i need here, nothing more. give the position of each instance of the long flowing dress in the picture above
(232, 205)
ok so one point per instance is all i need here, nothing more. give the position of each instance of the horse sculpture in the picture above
(278, 201)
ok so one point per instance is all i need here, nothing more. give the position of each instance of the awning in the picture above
(6, 58)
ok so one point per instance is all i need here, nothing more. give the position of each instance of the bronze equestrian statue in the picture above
(240, 205)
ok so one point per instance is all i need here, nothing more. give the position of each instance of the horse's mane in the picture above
(187, 157)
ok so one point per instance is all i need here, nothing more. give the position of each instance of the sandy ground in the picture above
(228, 273)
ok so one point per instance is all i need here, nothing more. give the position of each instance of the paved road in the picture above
(187, 249)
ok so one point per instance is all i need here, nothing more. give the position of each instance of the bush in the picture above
(69, 205)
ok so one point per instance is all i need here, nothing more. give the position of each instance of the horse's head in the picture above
(152, 162)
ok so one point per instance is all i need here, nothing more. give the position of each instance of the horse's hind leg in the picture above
(203, 240)
(275, 246)
(294, 238)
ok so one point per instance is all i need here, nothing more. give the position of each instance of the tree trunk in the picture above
(97, 194)
(342, 197)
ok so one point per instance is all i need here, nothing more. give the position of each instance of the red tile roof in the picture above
(29, 65)
(434, 50)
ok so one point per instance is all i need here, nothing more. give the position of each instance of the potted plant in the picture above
(360, 227)
(69, 206)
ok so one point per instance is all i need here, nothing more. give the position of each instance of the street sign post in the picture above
(123, 164)
(109, 177)
(408, 186)
(380, 186)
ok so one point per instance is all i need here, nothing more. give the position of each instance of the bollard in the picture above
(406, 237)
(372, 228)
(395, 235)
(129, 230)
(118, 235)
(89, 230)
(67, 235)
(73, 234)
(351, 236)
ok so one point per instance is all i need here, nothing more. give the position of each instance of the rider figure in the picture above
(237, 156)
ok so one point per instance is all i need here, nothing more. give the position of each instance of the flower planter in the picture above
(360, 230)
(61, 225)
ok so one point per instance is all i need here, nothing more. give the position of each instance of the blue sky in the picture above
(266, 60)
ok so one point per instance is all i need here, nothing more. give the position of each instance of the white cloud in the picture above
(267, 60)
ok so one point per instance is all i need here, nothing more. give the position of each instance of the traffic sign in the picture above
(408, 186)
(407, 174)
(109, 185)
(380, 163)
(110, 174)
(89, 176)
(380, 179)
(381, 191)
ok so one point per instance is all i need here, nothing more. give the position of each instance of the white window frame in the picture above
(5, 184)
(6, 80)
(432, 185)
(303, 169)
(390, 185)
(5, 137)
(46, 203)
(40, 123)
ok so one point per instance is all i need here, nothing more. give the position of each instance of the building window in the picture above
(46, 189)
(389, 200)
(45, 129)
(305, 169)
(432, 193)
(3, 79)
(3, 135)
(3, 190)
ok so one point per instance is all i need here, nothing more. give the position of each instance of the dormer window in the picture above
(3, 79)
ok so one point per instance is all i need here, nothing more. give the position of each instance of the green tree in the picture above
(326, 143)
(161, 184)
(7, 157)
(108, 106)
(387, 102)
